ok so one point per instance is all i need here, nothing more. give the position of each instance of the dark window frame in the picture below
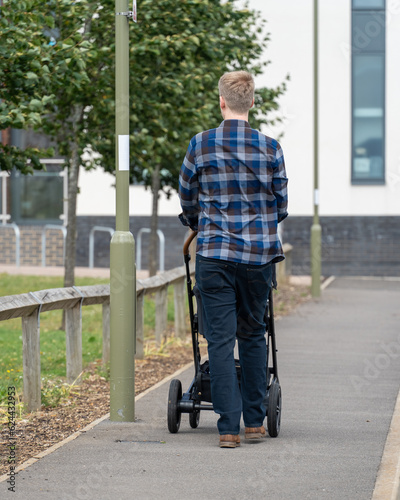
(56, 168)
(360, 51)
(369, 9)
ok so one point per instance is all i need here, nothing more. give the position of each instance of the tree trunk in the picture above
(73, 176)
(70, 245)
(70, 242)
(153, 253)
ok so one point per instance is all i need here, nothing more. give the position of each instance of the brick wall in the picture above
(352, 246)
(7, 245)
(174, 234)
(31, 246)
(359, 246)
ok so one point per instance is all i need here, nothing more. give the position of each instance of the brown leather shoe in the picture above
(229, 441)
(255, 432)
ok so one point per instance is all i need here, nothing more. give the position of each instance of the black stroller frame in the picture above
(198, 396)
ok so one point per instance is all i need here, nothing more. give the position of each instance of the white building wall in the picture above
(290, 50)
(97, 197)
(335, 107)
(338, 195)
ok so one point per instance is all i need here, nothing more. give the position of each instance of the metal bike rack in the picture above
(161, 239)
(63, 229)
(4, 217)
(91, 241)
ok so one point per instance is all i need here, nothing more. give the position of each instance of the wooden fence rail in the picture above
(29, 306)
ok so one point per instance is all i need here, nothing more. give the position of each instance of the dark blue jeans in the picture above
(234, 298)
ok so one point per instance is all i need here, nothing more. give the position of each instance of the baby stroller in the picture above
(198, 396)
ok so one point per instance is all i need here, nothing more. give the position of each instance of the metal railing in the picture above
(91, 240)
(4, 216)
(161, 239)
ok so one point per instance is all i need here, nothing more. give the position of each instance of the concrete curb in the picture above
(90, 426)
(387, 486)
(327, 282)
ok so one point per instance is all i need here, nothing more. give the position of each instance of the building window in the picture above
(38, 198)
(368, 92)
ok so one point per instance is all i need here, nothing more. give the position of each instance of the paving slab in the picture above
(339, 366)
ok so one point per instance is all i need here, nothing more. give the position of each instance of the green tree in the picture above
(49, 66)
(178, 52)
(82, 58)
(25, 72)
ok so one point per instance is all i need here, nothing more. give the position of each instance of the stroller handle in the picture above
(188, 241)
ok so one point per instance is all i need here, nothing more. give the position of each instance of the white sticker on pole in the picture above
(123, 152)
(316, 197)
(134, 17)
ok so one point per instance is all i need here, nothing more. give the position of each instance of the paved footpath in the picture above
(339, 365)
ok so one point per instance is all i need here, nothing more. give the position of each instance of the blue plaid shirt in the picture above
(233, 189)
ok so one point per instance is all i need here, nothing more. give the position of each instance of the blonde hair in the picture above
(237, 88)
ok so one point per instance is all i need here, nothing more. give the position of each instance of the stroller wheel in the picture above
(174, 414)
(274, 409)
(194, 419)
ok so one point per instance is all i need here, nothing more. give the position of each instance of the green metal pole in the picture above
(316, 228)
(122, 259)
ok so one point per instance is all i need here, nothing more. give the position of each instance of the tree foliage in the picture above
(25, 70)
(80, 57)
(178, 51)
(51, 65)
(56, 63)
(57, 67)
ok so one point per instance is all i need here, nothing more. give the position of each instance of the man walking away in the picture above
(233, 190)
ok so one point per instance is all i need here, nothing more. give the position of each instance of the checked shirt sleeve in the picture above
(189, 187)
(279, 184)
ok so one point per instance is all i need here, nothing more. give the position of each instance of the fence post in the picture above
(140, 325)
(106, 333)
(31, 360)
(281, 272)
(73, 330)
(284, 267)
(288, 249)
(161, 313)
(179, 304)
